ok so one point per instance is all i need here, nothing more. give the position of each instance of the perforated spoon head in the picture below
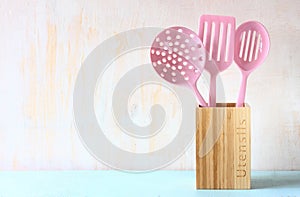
(252, 45)
(178, 56)
(217, 34)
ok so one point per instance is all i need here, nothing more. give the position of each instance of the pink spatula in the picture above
(252, 45)
(178, 56)
(217, 34)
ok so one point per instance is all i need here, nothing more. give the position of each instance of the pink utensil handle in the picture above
(212, 90)
(200, 99)
(242, 93)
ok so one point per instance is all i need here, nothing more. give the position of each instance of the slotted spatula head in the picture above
(252, 45)
(217, 34)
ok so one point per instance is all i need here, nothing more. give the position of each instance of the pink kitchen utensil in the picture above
(178, 56)
(217, 34)
(252, 45)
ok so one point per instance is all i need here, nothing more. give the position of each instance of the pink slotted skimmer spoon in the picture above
(217, 34)
(252, 46)
(178, 56)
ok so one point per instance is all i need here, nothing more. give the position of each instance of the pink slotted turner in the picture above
(252, 46)
(217, 34)
(178, 56)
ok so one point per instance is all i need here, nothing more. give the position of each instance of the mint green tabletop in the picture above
(157, 183)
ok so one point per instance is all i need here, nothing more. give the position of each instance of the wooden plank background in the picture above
(44, 42)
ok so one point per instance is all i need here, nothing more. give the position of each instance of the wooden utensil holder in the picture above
(223, 154)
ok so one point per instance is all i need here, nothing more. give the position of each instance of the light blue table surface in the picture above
(157, 183)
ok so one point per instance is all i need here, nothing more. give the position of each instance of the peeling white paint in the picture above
(44, 42)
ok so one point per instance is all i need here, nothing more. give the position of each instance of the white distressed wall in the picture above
(44, 42)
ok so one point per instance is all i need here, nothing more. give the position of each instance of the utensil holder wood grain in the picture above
(223, 152)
